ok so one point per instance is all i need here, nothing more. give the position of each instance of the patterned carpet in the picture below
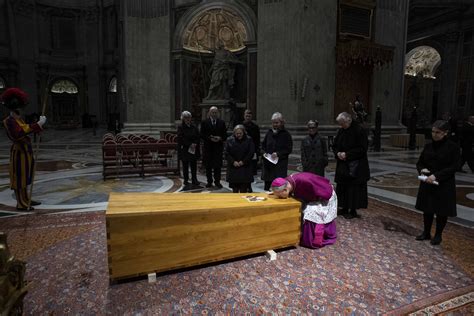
(376, 267)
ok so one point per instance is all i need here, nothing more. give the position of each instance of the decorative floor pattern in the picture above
(375, 267)
(370, 270)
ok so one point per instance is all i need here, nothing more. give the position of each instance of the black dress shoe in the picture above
(209, 185)
(436, 240)
(218, 185)
(34, 203)
(196, 182)
(185, 183)
(423, 236)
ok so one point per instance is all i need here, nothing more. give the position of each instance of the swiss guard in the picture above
(21, 152)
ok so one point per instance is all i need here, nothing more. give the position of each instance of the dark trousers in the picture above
(267, 185)
(254, 166)
(440, 223)
(240, 187)
(193, 165)
(217, 174)
(466, 156)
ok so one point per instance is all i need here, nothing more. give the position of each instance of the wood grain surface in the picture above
(153, 232)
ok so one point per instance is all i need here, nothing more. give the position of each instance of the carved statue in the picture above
(359, 110)
(13, 287)
(222, 73)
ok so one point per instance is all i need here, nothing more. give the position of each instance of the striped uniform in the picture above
(21, 157)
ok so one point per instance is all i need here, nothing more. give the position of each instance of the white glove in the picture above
(42, 120)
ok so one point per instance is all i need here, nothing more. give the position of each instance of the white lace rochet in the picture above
(321, 212)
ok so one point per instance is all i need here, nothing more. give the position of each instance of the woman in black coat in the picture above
(352, 166)
(438, 161)
(239, 150)
(188, 147)
(277, 144)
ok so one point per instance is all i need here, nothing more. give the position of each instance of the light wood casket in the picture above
(154, 232)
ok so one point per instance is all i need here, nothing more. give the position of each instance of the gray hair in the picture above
(277, 116)
(185, 114)
(344, 117)
(241, 127)
(313, 122)
(441, 125)
(213, 108)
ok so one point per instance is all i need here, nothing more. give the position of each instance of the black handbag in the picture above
(353, 167)
(347, 169)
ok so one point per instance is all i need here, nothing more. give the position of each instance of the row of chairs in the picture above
(138, 154)
(136, 138)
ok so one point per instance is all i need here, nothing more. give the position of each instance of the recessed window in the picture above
(113, 85)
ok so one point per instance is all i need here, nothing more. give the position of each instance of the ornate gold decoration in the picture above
(363, 52)
(64, 86)
(213, 25)
(422, 61)
(13, 287)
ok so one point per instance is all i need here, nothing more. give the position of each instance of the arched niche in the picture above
(64, 86)
(232, 23)
(112, 109)
(422, 61)
(64, 102)
(422, 64)
(112, 85)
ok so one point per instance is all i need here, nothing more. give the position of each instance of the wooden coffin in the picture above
(154, 232)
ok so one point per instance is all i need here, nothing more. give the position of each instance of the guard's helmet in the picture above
(14, 98)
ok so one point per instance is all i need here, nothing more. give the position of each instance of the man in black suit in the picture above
(253, 130)
(213, 133)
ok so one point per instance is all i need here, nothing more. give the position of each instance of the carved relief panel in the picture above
(212, 26)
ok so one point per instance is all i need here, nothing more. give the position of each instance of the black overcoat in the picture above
(212, 151)
(253, 131)
(314, 154)
(188, 135)
(281, 143)
(239, 150)
(353, 141)
(441, 158)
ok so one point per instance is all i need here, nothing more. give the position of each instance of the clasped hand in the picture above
(238, 164)
(431, 179)
(215, 138)
(341, 155)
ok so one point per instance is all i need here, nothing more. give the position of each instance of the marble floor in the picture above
(69, 177)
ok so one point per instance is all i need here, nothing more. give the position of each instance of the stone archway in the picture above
(233, 24)
(64, 100)
(421, 67)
